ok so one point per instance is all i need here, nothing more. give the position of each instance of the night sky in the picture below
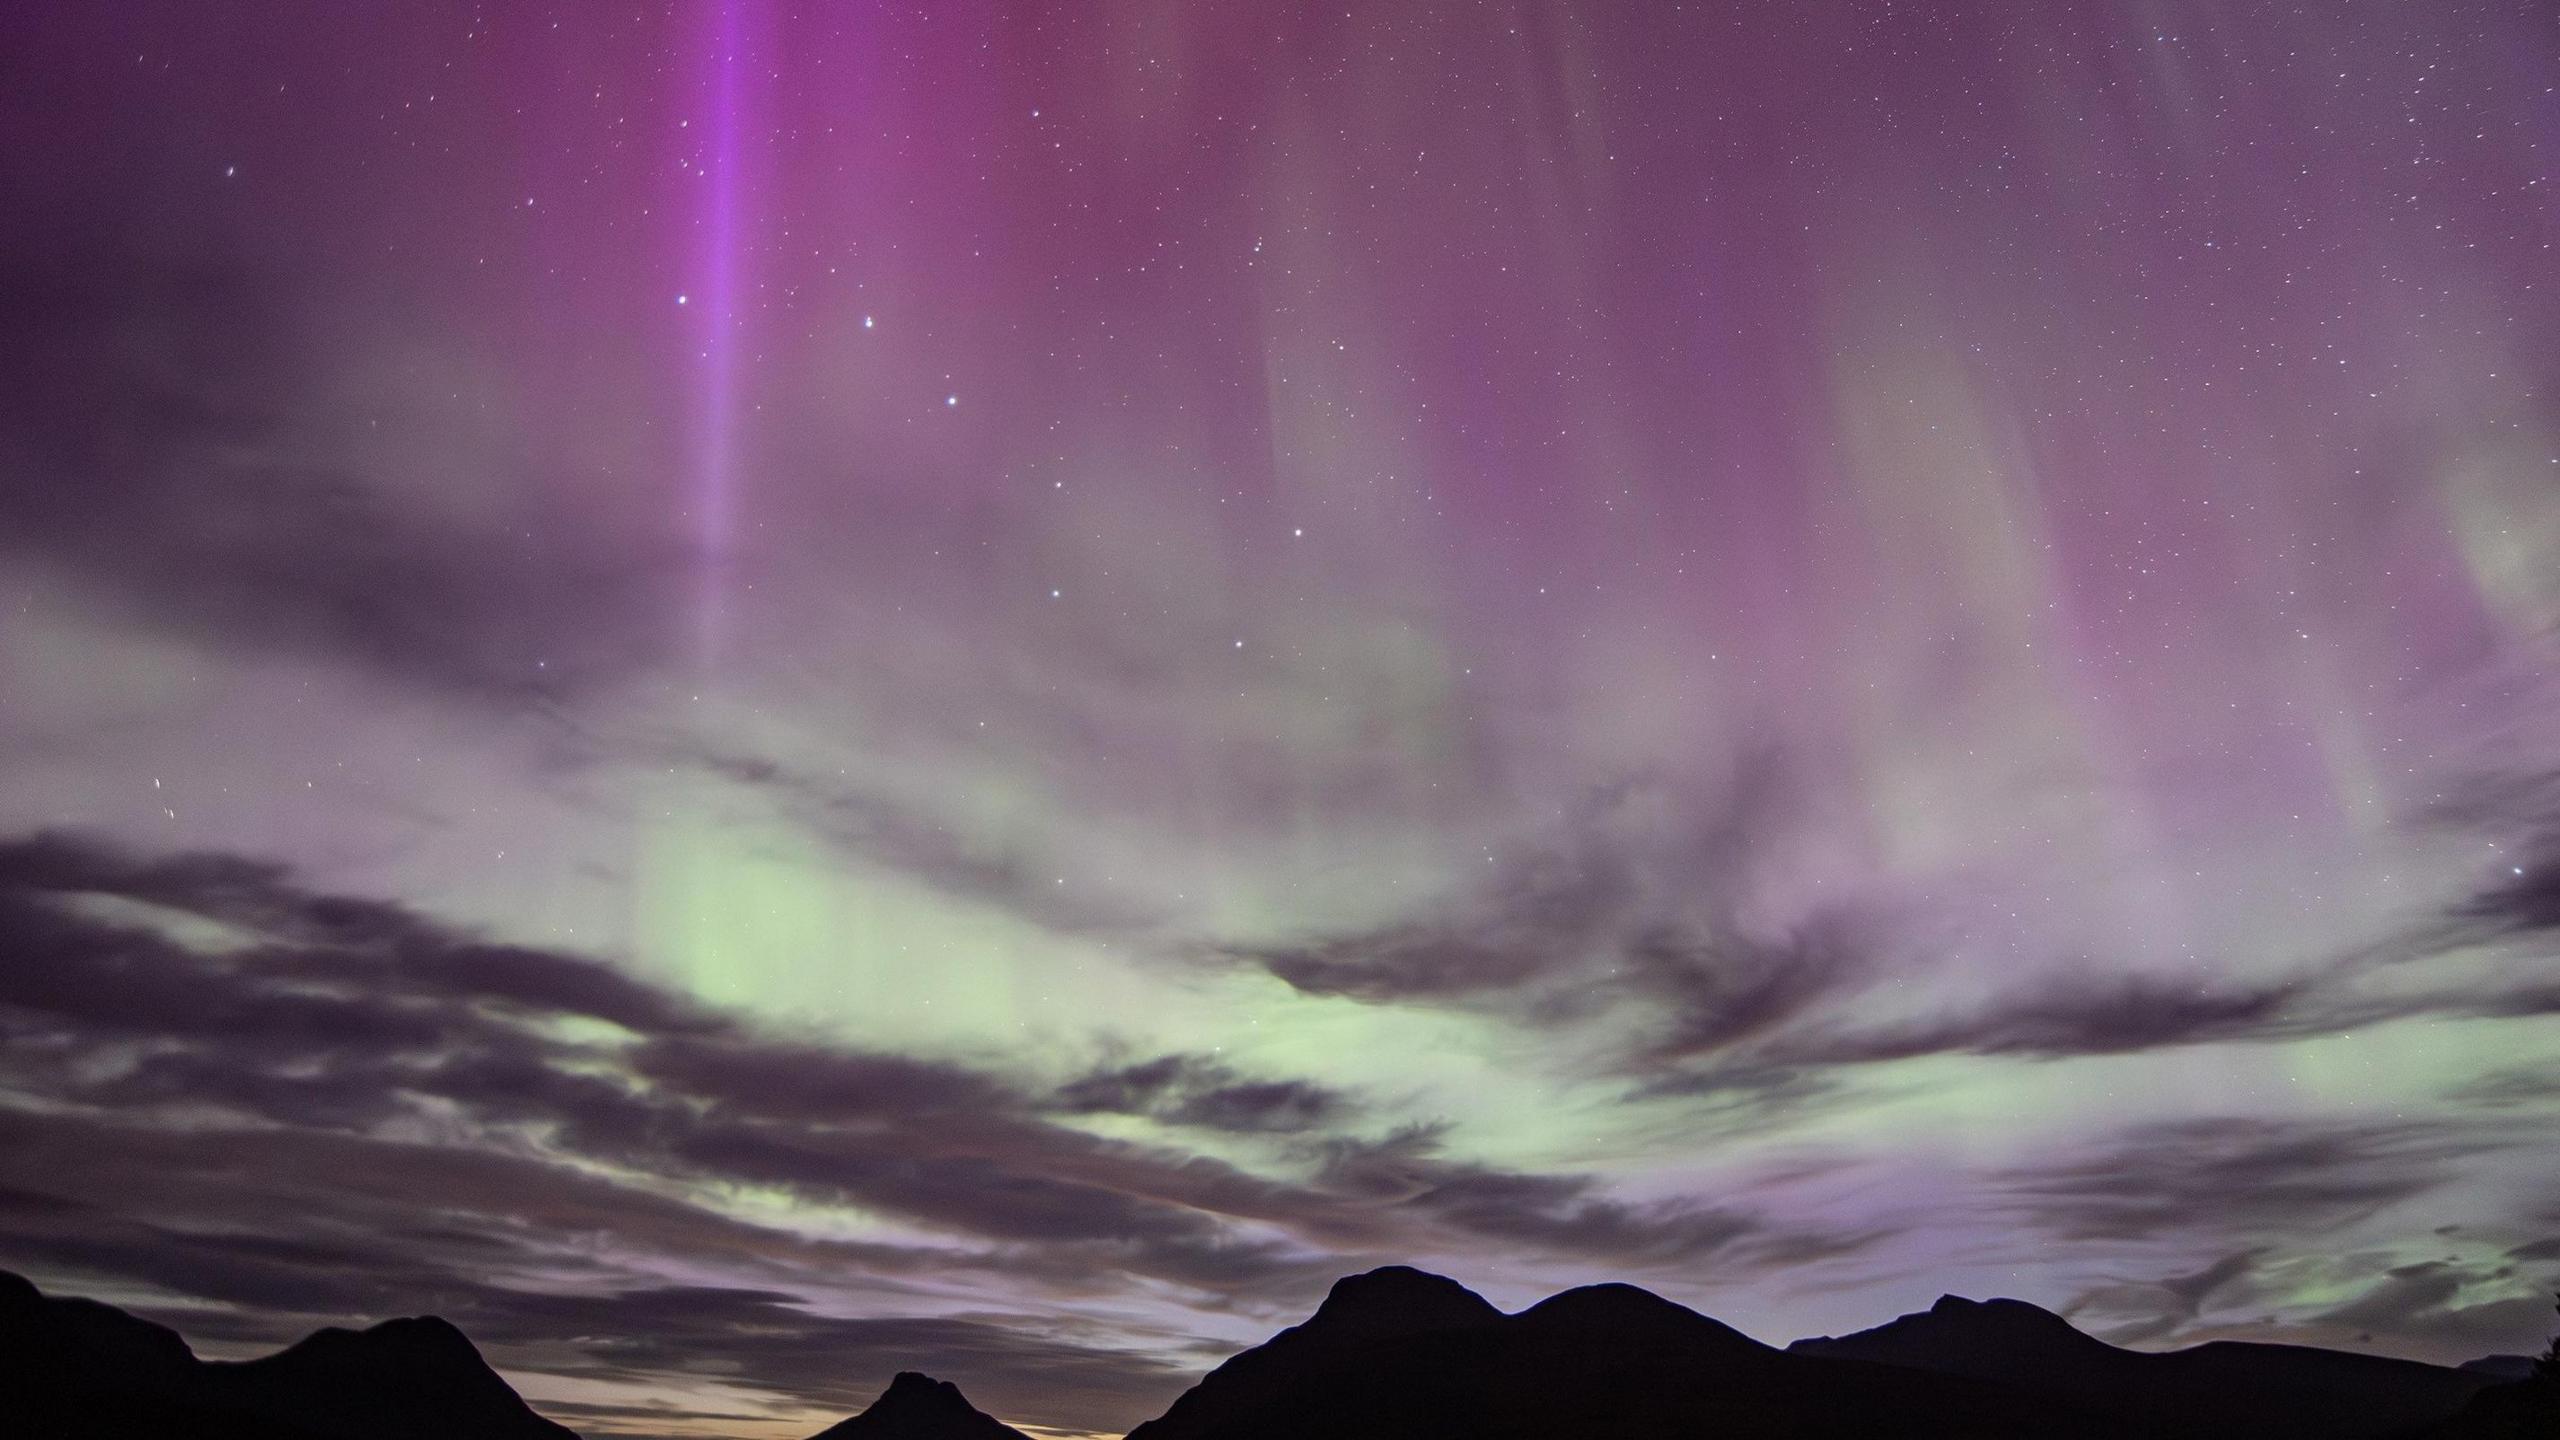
(752, 693)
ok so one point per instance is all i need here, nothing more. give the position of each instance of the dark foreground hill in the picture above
(919, 1407)
(79, 1370)
(1395, 1354)
(2261, 1392)
(1401, 1355)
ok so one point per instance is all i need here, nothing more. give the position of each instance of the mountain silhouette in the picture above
(919, 1407)
(2500, 1367)
(2226, 1388)
(80, 1370)
(1393, 1354)
(2526, 1407)
(1397, 1354)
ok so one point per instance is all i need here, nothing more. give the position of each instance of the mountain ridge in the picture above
(1395, 1353)
(78, 1369)
(2261, 1391)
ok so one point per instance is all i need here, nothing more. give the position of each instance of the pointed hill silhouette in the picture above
(80, 1370)
(2226, 1388)
(918, 1407)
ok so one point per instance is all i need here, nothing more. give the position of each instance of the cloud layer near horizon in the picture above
(604, 1181)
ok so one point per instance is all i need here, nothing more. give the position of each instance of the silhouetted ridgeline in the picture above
(79, 1370)
(1395, 1354)
(2274, 1391)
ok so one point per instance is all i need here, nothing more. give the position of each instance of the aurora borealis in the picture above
(756, 693)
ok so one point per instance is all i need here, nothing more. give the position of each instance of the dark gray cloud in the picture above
(1635, 908)
(2132, 1312)
(2420, 1308)
(1196, 1090)
(1637, 904)
(1650, 867)
(1013, 1363)
(1405, 1173)
(2238, 1175)
(2519, 816)
(2527, 898)
(2111, 1016)
(2443, 1308)
(654, 1421)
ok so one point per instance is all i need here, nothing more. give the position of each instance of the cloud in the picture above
(1195, 1090)
(528, 1295)
(2436, 1307)
(1014, 1364)
(1405, 1173)
(1646, 905)
(182, 445)
(2131, 1312)
(2519, 815)
(1651, 864)
(193, 1046)
(2123, 1014)
(2056, 1020)
(2443, 1308)
(1653, 916)
(2238, 1175)
(873, 826)
(2525, 901)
